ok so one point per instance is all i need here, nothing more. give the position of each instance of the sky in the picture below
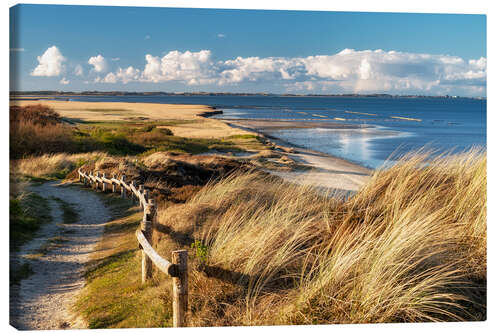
(77, 48)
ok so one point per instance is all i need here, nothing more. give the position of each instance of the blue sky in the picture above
(171, 49)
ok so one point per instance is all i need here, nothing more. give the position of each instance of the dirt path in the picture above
(43, 300)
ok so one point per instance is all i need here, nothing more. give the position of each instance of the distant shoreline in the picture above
(61, 94)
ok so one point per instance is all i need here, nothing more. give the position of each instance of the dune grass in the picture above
(408, 247)
(28, 211)
(52, 166)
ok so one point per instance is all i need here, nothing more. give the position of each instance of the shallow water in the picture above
(398, 125)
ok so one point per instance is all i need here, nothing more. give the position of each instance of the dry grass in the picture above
(53, 165)
(37, 129)
(409, 247)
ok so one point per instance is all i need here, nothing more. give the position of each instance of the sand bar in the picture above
(263, 125)
(194, 126)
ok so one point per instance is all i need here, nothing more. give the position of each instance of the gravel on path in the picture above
(43, 301)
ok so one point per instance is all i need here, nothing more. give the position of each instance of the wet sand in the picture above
(327, 172)
(263, 125)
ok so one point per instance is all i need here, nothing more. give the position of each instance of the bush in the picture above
(36, 129)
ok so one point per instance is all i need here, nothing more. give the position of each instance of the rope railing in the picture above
(177, 269)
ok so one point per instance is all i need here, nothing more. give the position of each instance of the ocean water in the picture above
(391, 126)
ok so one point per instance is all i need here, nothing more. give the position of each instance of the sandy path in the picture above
(43, 300)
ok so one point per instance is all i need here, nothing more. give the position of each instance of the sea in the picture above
(389, 127)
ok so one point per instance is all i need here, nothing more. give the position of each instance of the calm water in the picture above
(439, 124)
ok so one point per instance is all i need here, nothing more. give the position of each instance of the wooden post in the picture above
(180, 287)
(103, 182)
(147, 230)
(123, 190)
(97, 181)
(113, 184)
(133, 195)
(141, 190)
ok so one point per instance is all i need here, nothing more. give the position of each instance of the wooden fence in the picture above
(177, 269)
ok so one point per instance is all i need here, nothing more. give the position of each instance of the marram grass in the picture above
(408, 247)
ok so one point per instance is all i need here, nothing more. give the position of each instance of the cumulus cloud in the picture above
(365, 71)
(50, 63)
(121, 75)
(191, 68)
(362, 71)
(99, 62)
(78, 70)
(64, 81)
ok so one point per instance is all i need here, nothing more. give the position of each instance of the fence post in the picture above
(123, 190)
(141, 190)
(97, 181)
(113, 184)
(133, 195)
(103, 182)
(180, 288)
(147, 230)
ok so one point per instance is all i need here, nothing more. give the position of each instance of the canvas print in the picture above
(187, 167)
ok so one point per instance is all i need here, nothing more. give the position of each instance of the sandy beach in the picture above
(329, 172)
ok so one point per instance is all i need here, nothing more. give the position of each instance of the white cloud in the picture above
(78, 70)
(221, 35)
(121, 75)
(115, 59)
(50, 63)
(128, 74)
(99, 62)
(147, 37)
(367, 71)
(64, 81)
(190, 67)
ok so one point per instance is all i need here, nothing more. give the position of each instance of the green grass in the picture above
(18, 273)
(27, 213)
(243, 136)
(114, 296)
(132, 138)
